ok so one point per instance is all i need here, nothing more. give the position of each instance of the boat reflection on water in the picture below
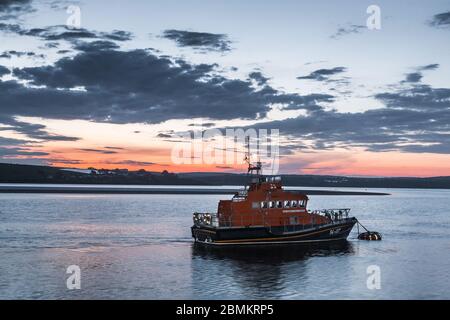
(258, 272)
(272, 254)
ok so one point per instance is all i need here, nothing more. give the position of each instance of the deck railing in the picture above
(333, 214)
(212, 220)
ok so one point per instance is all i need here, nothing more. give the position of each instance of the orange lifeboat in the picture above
(265, 213)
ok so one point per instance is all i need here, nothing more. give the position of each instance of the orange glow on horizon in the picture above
(109, 152)
(357, 163)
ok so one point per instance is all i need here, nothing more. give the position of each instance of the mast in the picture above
(251, 167)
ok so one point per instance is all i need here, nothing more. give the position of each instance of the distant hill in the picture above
(330, 181)
(14, 173)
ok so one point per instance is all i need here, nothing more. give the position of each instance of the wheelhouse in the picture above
(264, 202)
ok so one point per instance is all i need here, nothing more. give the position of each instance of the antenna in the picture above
(247, 159)
(247, 153)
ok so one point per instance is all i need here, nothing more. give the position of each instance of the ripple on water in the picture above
(139, 246)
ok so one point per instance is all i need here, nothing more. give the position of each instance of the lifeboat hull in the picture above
(272, 235)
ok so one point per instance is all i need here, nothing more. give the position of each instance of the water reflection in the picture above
(256, 271)
(272, 254)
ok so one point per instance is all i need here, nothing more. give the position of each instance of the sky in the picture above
(115, 84)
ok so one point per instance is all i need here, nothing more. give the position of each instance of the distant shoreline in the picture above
(162, 190)
(28, 174)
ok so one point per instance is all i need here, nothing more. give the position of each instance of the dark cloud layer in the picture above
(138, 86)
(104, 84)
(199, 40)
(415, 119)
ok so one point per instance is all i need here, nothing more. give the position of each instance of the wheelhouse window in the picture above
(279, 204)
(271, 204)
(301, 203)
(294, 203)
(264, 205)
(287, 204)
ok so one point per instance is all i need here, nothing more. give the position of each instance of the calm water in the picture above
(139, 247)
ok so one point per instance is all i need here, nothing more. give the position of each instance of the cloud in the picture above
(138, 86)
(323, 74)
(54, 33)
(13, 9)
(98, 151)
(416, 77)
(224, 167)
(199, 40)
(164, 135)
(413, 77)
(10, 28)
(96, 45)
(11, 142)
(10, 53)
(33, 131)
(117, 35)
(7, 5)
(12, 152)
(441, 20)
(433, 66)
(62, 32)
(420, 98)
(351, 29)
(4, 70)
(259, 78)
(415, 119)
(114, 148)
(204, 125)
(52, 161)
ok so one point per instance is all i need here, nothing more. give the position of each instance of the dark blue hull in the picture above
(273, 235)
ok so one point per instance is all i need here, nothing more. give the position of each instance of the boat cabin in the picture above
(264, 202)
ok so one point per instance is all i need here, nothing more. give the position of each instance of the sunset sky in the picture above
(118, 91)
